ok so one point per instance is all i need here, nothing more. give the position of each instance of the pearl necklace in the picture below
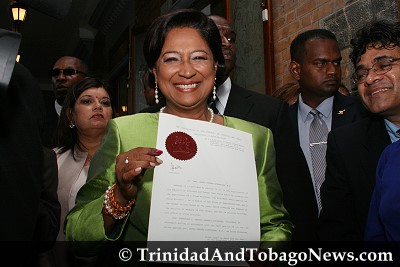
(209, 109)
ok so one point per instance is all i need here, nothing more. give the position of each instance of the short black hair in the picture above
(377, 34)
(191, 18)
(297, 47)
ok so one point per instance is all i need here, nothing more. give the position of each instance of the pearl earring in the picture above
(156, 93)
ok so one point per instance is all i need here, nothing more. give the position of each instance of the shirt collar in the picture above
(325, 108)
(392, 129)
(58, 108)
(223, 91)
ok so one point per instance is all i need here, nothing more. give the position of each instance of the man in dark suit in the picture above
(66, 72)
(354, 150)
(28, 173)
(232, 99)
(315, 64)
(273, 114)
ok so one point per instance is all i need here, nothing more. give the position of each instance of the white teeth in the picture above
(186, 86)
(381, 90)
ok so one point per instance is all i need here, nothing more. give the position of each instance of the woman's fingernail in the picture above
(152, 164)
(159, 152)
(138, 169)
(159, 161)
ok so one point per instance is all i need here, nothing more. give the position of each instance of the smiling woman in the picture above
(183, 49)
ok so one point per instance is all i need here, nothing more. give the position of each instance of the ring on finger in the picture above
(126, 160)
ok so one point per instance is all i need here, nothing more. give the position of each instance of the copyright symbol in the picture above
(125, 254)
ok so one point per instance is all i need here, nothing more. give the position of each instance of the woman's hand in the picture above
(130, 167)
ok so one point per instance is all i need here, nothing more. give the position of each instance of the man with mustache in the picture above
(348, 188)
(315, 64)
(67, 72)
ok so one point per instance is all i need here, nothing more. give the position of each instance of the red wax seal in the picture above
(181, 146)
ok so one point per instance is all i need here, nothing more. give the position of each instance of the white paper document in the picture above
(206, 188)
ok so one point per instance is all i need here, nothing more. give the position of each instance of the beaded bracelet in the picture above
(110, 206)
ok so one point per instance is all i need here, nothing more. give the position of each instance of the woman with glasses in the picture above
(378, 78)
(354, 149)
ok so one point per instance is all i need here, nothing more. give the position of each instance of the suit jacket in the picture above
(27, 173)
(84, 222)
(49, 211)
(51, 119)
(352, 156)
(254, 107)
(298, 189)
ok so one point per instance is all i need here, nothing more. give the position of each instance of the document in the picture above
(206, 188)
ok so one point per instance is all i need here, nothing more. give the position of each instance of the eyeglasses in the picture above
(380, 68)
(66, 72)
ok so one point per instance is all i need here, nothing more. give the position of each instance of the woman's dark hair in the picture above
(67, 137)
(378, 34)
(191, 18)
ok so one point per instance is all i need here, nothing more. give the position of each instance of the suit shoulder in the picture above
(245, 126)
(262, 101)
(152, 109)
(353, 102)
(356, 129)
(262, 98)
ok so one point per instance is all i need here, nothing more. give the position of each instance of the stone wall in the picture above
(247, 22)
(292, 17)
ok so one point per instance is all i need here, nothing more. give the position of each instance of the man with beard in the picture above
(67, 72)
(315, 64)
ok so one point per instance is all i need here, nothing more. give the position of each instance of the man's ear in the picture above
(295, 69)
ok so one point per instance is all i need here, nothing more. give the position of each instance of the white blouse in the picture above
(72, 175)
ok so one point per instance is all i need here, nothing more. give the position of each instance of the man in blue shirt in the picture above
(315, 64)
(354, 150)
(383, 95)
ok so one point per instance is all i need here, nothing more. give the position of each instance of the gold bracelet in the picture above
(111, 207)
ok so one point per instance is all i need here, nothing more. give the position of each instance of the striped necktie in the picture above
(318, 137)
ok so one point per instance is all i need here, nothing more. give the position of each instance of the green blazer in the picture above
(85, 222)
